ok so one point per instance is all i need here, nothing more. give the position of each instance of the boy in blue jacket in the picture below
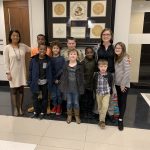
(40, 80)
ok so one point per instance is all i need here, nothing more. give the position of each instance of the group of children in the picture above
(72, 80)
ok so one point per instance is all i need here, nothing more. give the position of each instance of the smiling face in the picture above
(55, 50)
(89, 53)
(15, 37)
(42, 50)
(72, 56)
(106, 36)
(118, 50)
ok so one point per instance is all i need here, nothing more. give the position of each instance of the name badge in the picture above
(44, 65)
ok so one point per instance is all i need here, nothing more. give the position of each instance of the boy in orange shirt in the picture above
(40, 40)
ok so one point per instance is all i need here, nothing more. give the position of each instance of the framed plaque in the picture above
(82, 19)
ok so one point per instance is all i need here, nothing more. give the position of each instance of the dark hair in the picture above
(123, 53)
(71, 38)
(40, 35)
(11, 32)
(89, 47)
(111, 33)
(56, 43)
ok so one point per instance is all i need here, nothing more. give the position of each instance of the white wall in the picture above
(36, 17)
(3, 37)
(122, 21)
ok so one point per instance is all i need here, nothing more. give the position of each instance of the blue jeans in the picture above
(56, 95)
(72, 100)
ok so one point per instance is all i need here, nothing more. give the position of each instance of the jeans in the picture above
(72, 100)
(40, 106)
(56, 95)
(122, 100)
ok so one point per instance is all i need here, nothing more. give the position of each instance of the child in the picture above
(57, 65)
(71, 84)
(40, 80)
(35, 51)
(103, 86)
(40, 40)
(122, 79)
(89, 65)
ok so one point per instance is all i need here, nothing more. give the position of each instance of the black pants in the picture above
(87, 102)
(40, 106)
(122, 100)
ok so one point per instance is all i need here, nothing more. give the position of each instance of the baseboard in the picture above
(133, 84)
(140, 85)
(4, 83)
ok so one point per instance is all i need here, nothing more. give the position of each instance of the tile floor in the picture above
(24, 133)
(58, 135)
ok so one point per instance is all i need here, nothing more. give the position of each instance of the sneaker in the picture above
(102, 124)
(120, 125)
(35, 115)
(54, 109)
(41, 116)
(58, 111)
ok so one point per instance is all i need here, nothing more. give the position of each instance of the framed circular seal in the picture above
(59, 9)
(98, 8)
(96, 30)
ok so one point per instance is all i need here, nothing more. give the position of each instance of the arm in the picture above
(27, 48)
(7, 63)
(126, 76)
(111, 83)
(30, 72)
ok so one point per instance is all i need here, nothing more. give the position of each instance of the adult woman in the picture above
(106, 51)
(14, 55)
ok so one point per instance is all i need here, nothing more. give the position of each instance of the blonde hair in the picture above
(102, 62)
(73, 50)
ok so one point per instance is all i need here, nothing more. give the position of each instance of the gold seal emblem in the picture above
(59, 9)
(96, 30)
(98, 8)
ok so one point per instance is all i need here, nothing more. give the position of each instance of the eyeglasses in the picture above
(106, 34)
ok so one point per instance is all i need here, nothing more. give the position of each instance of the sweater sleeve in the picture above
(6, 59)
(27, 48)
(126, 69)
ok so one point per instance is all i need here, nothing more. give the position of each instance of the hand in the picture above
(9, 77)
(56, 81)
(129, 60)
(123, 88)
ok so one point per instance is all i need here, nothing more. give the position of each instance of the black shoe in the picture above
(35, 115)
(120, 125)
(41, 116)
